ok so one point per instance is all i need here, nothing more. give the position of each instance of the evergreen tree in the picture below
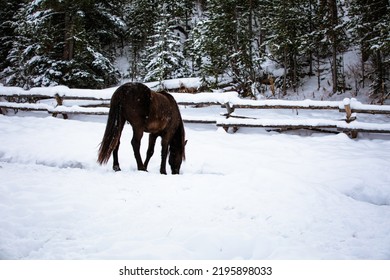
(315, 43)
(288, 24)
(224, 43)
(7, 12)
(298, 33)
(246, 59)
(61, 42)
(165, 57)
(140, 16)
(213, 39)
(75, 42)
(27, 59)
(370, 27)
(333, 26)
(145, 20)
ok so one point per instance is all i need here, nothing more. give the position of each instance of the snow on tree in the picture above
(224, 42)
(165, 59)
(370, 28)
(54, 44)
(7, 13)
(75, 43)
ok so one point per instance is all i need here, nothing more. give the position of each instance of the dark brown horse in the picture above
(146, 111)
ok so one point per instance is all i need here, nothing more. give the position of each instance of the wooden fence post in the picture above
(59, 103)
(230, 110)
(349, 118)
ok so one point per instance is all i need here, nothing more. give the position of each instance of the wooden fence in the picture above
(96, 102)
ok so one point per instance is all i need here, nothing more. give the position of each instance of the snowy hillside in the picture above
(249, 195)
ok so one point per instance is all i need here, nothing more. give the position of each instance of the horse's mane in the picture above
(165, 93)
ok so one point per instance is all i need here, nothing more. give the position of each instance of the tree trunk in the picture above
(311, 28)
(318, 72)
(380, 87)
(250, 30)
(69, 37)
(363, 71)
(285, 71)
(334, 20)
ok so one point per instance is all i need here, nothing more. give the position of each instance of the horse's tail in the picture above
(112, 133)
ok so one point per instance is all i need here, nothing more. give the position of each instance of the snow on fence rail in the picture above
(93, 100)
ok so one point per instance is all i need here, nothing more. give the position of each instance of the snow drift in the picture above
(249, 195)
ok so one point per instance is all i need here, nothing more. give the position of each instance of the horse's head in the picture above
(176, 157)
(175, 160)
(178, 142)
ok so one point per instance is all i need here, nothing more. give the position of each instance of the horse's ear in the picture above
(185, 142)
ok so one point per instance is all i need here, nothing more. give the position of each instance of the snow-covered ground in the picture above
(248, 195)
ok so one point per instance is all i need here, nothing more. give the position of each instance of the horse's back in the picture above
(131, 92)
(151, 111)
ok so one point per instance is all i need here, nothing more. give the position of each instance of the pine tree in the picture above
(246, 59)
(333, 26)
(213, 39)
(165, 57)
(27, 59)
(370, 27)
(301, 32)
(224, 43)
(7, 12)
(289, 25)
(316, 44)
(61, 42)
(140, 16)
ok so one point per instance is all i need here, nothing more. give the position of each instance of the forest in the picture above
(83, 43)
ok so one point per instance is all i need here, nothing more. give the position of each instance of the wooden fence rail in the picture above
(95, 102)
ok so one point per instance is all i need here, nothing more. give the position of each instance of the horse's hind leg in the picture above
(115, 152)
(116, 162)
(136, 143)
(150, 152)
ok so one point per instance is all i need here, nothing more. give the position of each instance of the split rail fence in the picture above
(57, 100)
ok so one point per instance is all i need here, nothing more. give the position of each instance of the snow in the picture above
(307, 123)
(307, 103)
(277, 122)
(248, 195)
(26, 106)
(216, 98)
(92, 93)
(359, 106)
(79, 110)
(231, 97)
(60, 90)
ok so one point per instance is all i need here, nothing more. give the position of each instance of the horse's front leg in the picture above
(150, 152)
(136, 143)
(164, 155)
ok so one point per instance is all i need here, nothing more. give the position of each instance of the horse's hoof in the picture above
(116, 168)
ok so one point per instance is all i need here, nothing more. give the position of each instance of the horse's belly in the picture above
(156, 126)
